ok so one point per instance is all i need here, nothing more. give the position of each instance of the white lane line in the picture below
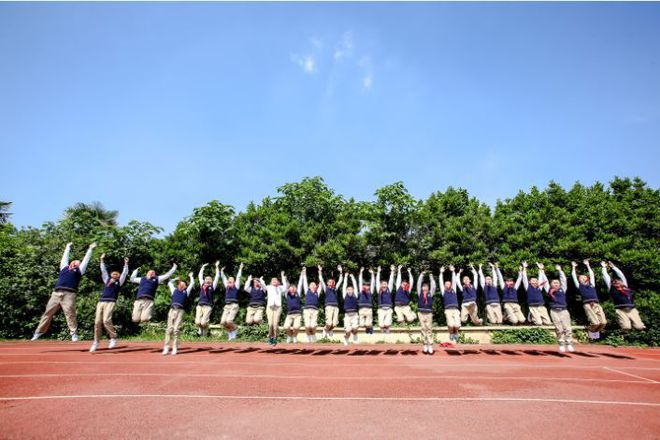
(329, 398)
(632, 375)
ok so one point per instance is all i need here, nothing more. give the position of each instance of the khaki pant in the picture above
(103, 318)
(562, 321)
(67, 302)
(426, 322)
(228, 315)
(404, 313)
(627, 317)
(202, 315)
(351, 322)
(384, 318)
(143, 309)
(513, 313)
(292, 324)
(311, 317)
(539, 315)
(494, 313)
(470, 309)
(273, 316)
(254, 315)
(331, 317)
(366, 317)
(453, 317)
(596, 316)
(174, 318)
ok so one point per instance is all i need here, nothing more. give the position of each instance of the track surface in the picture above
(59, 390)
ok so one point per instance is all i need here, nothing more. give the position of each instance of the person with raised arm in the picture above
(385, 301)
(274, 293)
(365, 304)
(450, 303)
(311, 308)
(556, 290)
(292, 320)
(64, 294)
(180, 293)
(143, 306)
(469, 306)
(627, 314)
(512, 310)
(491, 295)
(106, 305)
(204, 307)
(254, 315)
(402, 298)
(590, 302)
(331, 301)
(351, 317)
(538, 314)
(425, 310)
(230, 310)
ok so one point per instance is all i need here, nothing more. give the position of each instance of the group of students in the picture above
(303, 301)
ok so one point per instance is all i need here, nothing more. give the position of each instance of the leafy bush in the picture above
(523, 336)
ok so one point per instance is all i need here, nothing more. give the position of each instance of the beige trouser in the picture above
(513, 313)
(629, 317)
(292, 324)
(351, 322)
(384, 318)
(228, 315)
(143, 308)
(494, 313)
(311, 317)
(273, 316)
(331, 317)
(470, 309)
(596, 316)
(562, 321)
(366, 317)
(453, 317)
(539, 315)
(426, 323)
(202, 315)
(103, 318)
(174, 318)
(59, 299)
(254, 315)
(404, 313)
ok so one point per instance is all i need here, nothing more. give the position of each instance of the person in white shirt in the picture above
(274, 293)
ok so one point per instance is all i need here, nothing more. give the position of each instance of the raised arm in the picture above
(398, 277)
(411, 280)
(216, 278)
(620, 274)
(500, 278)
(518, 280)
(377, 278)
(475, 280)
(285, 284)
(64, 262)
(321, 282)
(86, 258)
(493, 274)
(442, 280)
(524, 275)
(124, 272)
(592, 277)
(104, 271)
(482, 279)
(170, 284)
(574, 274)
(237, 280)
(303, 285)
(433, 286)
(454, 280)
(562, 278)
(372, 283)
(606, 275)
(247, 284)
(390, 283)
(420, 281)
(543, 280)
(343, 287)
(134, 278)
(200, 276)
(169, 273)
(191, 284)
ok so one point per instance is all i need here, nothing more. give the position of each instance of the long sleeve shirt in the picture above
(105, 277)
(500, 279)
(608, 279)
(390, 283)
(432, 287)
(322, 285)
(353, 283)
(200, 276)
(161, 278)
(371, 283)
(274, 294)
(64, 262)
(237, 279)
(189, 289)
(576, 281)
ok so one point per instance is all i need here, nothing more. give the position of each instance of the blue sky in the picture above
(154, 109)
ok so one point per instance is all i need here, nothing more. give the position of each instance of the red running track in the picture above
(225, 390)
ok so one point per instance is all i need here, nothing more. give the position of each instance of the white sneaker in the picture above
(313, 338)
(426, 349)
(355, 339)
(94, 346)
(36, 336)
(346, 341)
(174, 350)
(199, 331)
(295, 339)
(166, 350)
(113, 343)
(430, 349)
(570, 348)
(231, 335)
(331, 333)
(597, 335)
(288, 339)
(324, 334)
(74, 337)
(562, 349)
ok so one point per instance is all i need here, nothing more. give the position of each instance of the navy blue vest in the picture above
(206, 295)
(331, 297)
(425, 306)
(312, 300)
(620, 299)
(147, 287)
(535, 296)
(491, 295)
(588, 293)
(364, 299)
(469, 294)
(231, 295)
(179, 298)
(110, 291)
(68, 279)
(402, 297)
(559, 300)
(293, 304)
(450, 299)
(257, 297)
(510, 295)
(350, 303)
(385, 299)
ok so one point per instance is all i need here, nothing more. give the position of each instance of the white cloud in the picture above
(367, 81)
(307, 62)
(344, 48)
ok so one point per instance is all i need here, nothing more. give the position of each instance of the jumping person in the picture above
(385, 301)
(590, 302)
(402, 298)
(331, 302)
(204, 307)
(365, 305)
(106, 304)
(425, 310)
(231, 301)
(64, 293)
(143, 306)
(311, 308)
(274, 293)
(512, 310)
(469, 302)
(559, 309)
(491, 295)
(450, 303)
(293, 311)
(351, 317)
(626, 313)
(175, 316)
(254, 314)
(538, 314)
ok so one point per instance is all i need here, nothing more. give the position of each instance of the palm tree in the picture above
(4, 212)
(96, 210)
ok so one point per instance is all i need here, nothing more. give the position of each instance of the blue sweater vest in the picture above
(402, 297)
(588, 293)
(510, 295)
(491, 295)
(331, 297)
(179, 298)
(534, 296)
(231, 295)
(350, 303)
(620, 299)
(293, 304)
(312, 300)
(110, 291)
(257, 297)
(469, 294)
(450, 299)
(147, 287)
(68, 279)
(425, 306)
(364, 300)
(557, 300)
(385, 299)
(206, 295)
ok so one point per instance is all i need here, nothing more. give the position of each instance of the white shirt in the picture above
(274, 295)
